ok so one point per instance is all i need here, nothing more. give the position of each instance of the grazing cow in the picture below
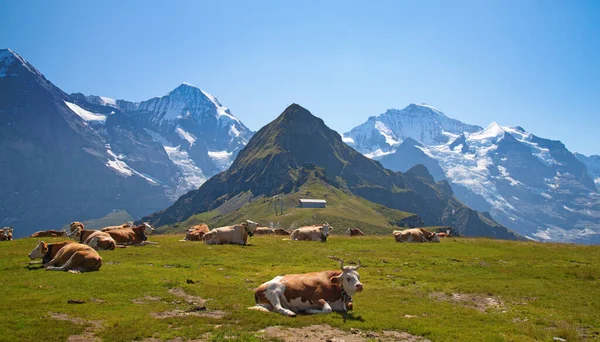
(96, 239)
(237, 235)
(312, 233)
(280, 231)
(354, 232)
(73, 257)
(415, 235)
(314, 293)
(131, 236)
(263, 231)
(46, 251)
(6, 234)
(124, 225)
(195, 233)
(49, 233)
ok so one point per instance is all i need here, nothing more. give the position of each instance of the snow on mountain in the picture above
(592, 163)
(200, 135)
(380, 135)
(86, 115)
(532, 185)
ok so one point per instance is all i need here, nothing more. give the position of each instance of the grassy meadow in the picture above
(458, 290)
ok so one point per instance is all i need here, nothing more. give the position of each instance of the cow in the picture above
(73, 227)
(195, 233)
(313, 293)
(49, 233)
(415, 235)
(443, 235)
(280, 231)
(125, 225)
(312, 233)
(264, 231)
(73, 257)
(354, 232)
(6, 234)
(96, 239)
(46, 251)
(131, 236)
(237, 235)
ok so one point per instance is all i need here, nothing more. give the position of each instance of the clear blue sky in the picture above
(530, 63)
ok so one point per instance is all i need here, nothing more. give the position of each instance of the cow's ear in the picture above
(320, 228)
(336, 280)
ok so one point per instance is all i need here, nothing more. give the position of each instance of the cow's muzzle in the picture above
(359, 287)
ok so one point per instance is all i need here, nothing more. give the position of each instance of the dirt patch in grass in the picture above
(198, 309)
(476, 301)
(146, 300)
(194, 300)
(217, 314)
(91, 327)
(327, 333)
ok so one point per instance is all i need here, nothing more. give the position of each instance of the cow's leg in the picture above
(93, 243)
(322, 308)
(35, 262)
(273, 297)
(69, 264)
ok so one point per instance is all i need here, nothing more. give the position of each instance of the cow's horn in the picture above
(359, 265)
(342, 264)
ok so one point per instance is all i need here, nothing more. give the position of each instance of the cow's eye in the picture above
(349, 279)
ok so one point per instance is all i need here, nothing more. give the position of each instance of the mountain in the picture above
(74, 157)
(592, 163)
(380, 135)
(532, 185)
(277, 158)
(199, 135)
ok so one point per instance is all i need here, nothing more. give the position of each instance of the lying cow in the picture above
(195, 233)
(415, 235)
(354, 232)
(312, 233)
(237, 235)
(72, 257)
(135, 236)
(49, 233)
(6, 234)
(313, 293)
(264, 231)
(96, 239)
(280, 231)
(124, 225)
(46, 251)
(73, 227)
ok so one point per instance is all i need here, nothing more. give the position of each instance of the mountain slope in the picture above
(270, 164)
(380, 135)
(592, 163)
(532, 185)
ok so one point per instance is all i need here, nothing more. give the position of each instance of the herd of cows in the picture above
(317, 292)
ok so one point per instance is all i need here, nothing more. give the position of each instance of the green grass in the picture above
(547, 290)
(343, 211)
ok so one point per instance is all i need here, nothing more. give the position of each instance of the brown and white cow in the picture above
(46, 251)
(354, 232)
(312, 233)
(237, 235)
(124, 225)
(6, 234)
(313, 293)
(49, 233)
(73, 227)
(415, 235)
(195, 233)
(73, 257)
(135, 236)
(96, 239)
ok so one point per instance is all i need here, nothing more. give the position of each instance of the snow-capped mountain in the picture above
(74, 157)
(381, 134)
(200, 136)
(532, 185)
(592, 163)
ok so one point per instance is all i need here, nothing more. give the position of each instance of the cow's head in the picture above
(149, 229)
(4, 232)
(349, 279)
(39, 251)
(325, 229)
(433, 237)
(250, 227)
(74, 227)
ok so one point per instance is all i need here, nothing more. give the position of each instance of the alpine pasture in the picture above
(458, 290)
